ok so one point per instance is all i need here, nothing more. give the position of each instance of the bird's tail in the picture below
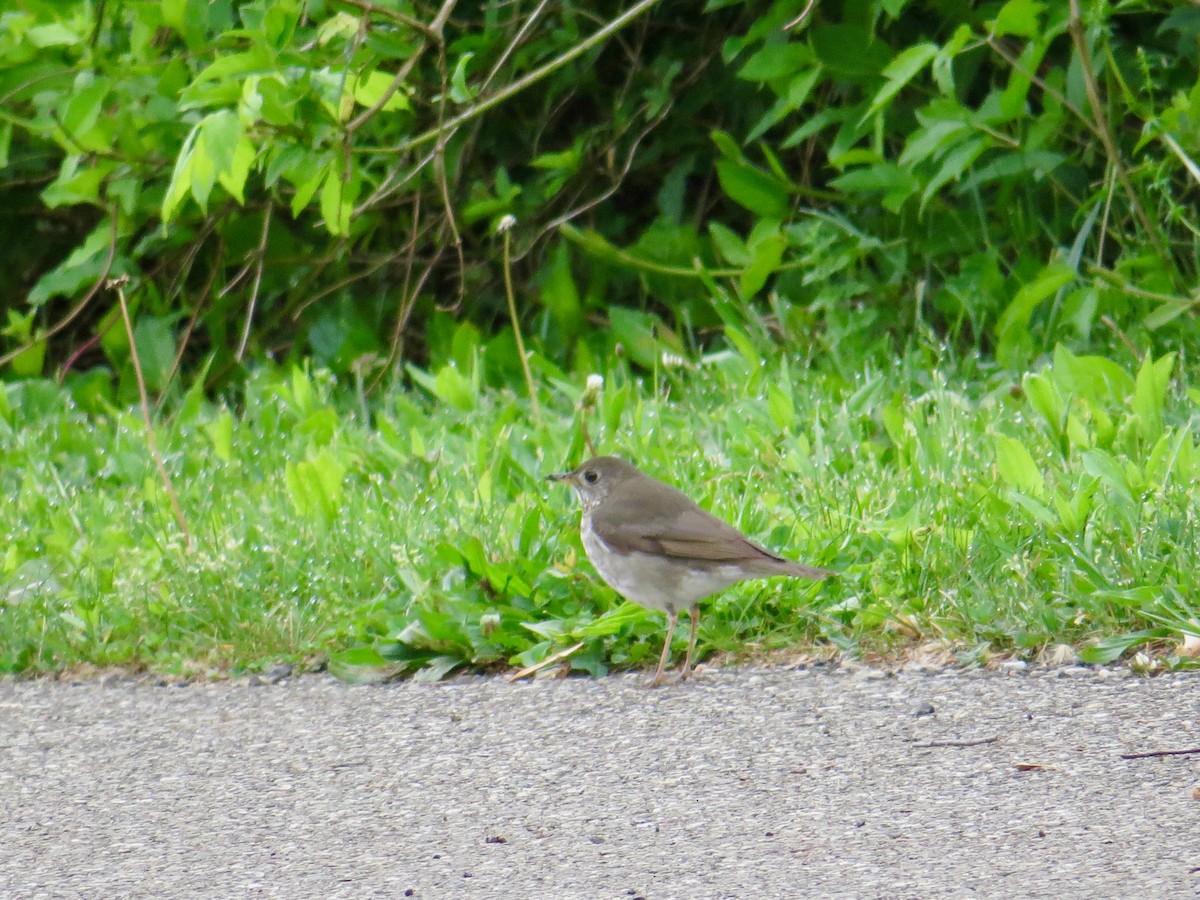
(809, 571)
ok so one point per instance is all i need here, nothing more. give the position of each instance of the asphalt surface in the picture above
(744, 783)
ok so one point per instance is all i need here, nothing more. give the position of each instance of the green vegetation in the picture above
(907, 289)
(992, 514)
(316, 179)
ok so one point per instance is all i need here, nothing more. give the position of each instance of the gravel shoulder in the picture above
(819, 782)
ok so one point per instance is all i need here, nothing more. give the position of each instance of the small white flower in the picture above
(506, 222)
(595, 384)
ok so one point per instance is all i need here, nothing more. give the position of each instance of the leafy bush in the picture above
(325, 177)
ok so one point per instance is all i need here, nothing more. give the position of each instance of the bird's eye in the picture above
(591, 476)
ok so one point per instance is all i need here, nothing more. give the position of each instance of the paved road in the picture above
(746, 783)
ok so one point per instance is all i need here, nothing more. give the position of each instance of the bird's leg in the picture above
(672, 621)
(694, 612)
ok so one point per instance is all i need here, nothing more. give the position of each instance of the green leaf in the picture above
(1039, 510)
(82, 111)
(1044, 400)
(560, 295)
(1100, 464)
(82, 266)
(233, 179)
(1113, 648)
(449, 385)
(30, 361)
(220, 433)
(781, 408)
(337, 202)
(744, 348)
(360, 665)
(1013, 97)
(1150, 395)
(1097, 379)
(900, 71)
(886, 178)
(1021, 18)
(220, 133)
(315, 486)
(727, 146)
(849, 49)
(279, 23)
(943, 65)
(155, 343)
(730, 247)
(643, 336)
(932, 138)
(1168, 311)
(232, 68)
(567, 161)
(308, 179)
(776, 61)
(954, 164)
(1016, 466)
(76, 184)
(369, 89)
(768, 254)
(55, 34)
(794, 97)
(460, 91)
(1012, 328)
(213, 148)
(613, 621)
(181, 176)
(437, 668)
(754, 189)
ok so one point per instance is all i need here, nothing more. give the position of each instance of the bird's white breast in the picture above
(653, 581)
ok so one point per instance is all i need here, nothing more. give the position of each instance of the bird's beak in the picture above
(561, 476)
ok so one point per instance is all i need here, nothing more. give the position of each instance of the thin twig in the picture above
(587, 435)
(1108, 199)
(506, 225)
(617, 181)
(118, 285)
(976, 743)
(408, 296)
(800, 18)
(533, 77)
(549, 660)
(588, 401)
(1104, 130)
(1118, 281)
(514, 43)
(390, 186)
(1111, 323)
(1045, 87)
(430, 31)
(258, 272)
(1154, 753)
(439, 173)
(408, 299)
(70, 317)
(204, 294)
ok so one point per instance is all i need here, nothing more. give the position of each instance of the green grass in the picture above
(415, 533)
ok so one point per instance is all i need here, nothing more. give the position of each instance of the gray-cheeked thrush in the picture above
(656, 547)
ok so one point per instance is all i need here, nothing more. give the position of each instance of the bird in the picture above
(656, 547)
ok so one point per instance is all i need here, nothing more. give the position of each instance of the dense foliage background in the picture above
(325, 178)
(920, 278)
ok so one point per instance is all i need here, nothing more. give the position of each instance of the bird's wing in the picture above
(687, 533)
